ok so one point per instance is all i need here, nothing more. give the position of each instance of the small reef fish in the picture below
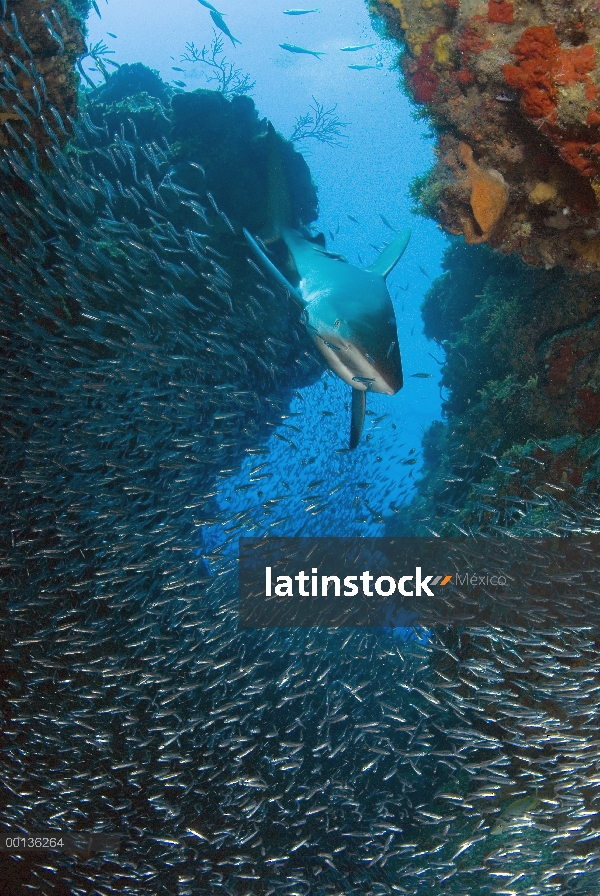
(110, 34)
(298, 12)
(211, 7)
(516, 810)
(362, 68)
(354, 49)
(424, 272)
(292, 48)
(422, 376)
(388, 225)
(353, 219)
(218, 20)
(179, 83)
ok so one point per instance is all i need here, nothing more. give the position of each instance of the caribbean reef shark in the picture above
(347, 310)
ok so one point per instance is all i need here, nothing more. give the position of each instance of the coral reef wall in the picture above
(514, 92)
(521, 390)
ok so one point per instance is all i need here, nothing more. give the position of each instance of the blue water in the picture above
(367, 177)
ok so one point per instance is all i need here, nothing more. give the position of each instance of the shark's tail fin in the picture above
(279, 202)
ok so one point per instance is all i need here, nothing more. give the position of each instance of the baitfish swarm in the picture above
(141, 357)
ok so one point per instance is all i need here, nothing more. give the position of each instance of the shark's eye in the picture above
(336, 323)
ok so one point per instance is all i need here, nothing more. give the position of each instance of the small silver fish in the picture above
(218, 20)
(210, 6)
(388, 225)
(292, 48)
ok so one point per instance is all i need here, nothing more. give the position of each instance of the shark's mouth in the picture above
(355, 367)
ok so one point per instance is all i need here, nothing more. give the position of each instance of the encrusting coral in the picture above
(519, 84)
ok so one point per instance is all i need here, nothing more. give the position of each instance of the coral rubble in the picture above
(515, 90)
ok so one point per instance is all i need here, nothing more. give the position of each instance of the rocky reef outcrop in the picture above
(514, 93)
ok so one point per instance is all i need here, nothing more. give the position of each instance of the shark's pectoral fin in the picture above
(268, 265)
(391, 255)
(359, 405)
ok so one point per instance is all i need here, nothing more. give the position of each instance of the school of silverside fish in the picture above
(140, 361)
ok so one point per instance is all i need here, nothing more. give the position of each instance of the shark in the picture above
(347, 310)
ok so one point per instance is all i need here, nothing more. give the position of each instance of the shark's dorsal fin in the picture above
(272, 270)
(359, 405)
(391, 255)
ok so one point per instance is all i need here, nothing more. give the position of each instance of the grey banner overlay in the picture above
(533, 583)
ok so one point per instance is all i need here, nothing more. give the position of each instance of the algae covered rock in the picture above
(129, 81)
